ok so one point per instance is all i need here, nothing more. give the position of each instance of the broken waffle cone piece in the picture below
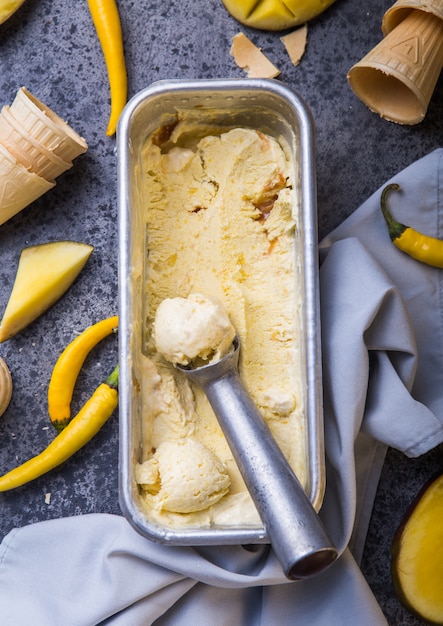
(18, 186)
(397, 78)
(250, 58)
(295, 43)
(401, 9)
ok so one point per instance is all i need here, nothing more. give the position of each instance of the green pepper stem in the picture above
(112, 380)
(395, 228)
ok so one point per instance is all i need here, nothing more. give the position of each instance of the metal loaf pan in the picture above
(262, 104)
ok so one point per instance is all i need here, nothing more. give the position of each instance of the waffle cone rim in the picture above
(402, 8)
(70, 140)
(48, 166)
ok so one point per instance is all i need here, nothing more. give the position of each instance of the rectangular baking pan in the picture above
(262, 104)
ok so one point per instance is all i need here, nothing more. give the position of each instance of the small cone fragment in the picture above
(295, 44)
(251, 59)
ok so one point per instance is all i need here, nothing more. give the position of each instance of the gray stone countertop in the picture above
(50, 46)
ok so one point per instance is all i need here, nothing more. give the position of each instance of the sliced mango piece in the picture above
(44, 274)
(417, 554)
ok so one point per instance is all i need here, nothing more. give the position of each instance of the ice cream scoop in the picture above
(295, 531)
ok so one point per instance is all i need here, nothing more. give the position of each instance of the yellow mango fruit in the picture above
(275, 14)
(417, 554)
(44, 274)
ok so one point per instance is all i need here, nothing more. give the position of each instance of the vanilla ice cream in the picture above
(183, 476)
(221, 219)
(196, 327)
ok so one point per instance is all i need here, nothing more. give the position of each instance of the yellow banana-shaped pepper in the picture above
(67, 369)
(107, 23)
(88, 421)
(421, 247)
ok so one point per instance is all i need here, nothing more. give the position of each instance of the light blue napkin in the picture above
(381, 314)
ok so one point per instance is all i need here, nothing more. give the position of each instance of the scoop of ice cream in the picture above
(183, 476)
(196, 327)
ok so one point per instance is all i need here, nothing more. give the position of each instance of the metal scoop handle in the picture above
(295, 531)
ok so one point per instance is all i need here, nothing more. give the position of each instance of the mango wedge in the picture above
(45, 272)
(417, 554)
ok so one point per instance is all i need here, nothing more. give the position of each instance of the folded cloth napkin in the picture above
(381, 314)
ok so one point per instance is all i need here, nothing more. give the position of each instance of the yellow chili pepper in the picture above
(67, 368)
(106, 20)
(88, 421)
(421, 247)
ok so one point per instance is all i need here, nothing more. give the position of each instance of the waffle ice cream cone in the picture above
(397, 78)
(401, 9)
(46, 127)
(18, 186)
(27, 150)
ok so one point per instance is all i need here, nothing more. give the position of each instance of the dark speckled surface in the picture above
(51, 48)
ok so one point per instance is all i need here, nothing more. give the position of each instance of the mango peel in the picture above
(275, 14)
